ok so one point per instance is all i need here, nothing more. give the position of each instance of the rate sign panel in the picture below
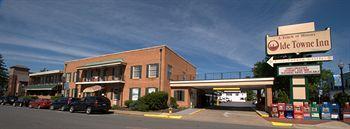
(299, 70)
(316, 41)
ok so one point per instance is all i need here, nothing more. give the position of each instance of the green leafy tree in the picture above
(282, 97)
(3, 75)
(262, 69)
(250, 95)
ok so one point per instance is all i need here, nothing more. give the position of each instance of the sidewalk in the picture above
(325, 125)
(149, 114)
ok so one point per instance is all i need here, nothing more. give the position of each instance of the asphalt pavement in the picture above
(26, 118)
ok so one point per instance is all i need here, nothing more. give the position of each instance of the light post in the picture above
(341, 66)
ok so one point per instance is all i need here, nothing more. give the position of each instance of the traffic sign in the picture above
(271, 61)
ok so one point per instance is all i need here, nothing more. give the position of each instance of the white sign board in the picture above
(296, 28)
(271, 61)
(299, 70)
(316, 41)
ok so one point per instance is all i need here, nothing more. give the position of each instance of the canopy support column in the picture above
(268, 97)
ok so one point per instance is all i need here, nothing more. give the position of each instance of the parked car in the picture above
(91, 104)
(2, 99)
(9, 100)
(22, 102)
(63, 103)
(40, 103)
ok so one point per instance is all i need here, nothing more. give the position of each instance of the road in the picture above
(25, 118)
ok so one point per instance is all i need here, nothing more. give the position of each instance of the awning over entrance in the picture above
(92, 89)
(102, 64)
(42, 87)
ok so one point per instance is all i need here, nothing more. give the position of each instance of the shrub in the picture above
(115, 107)
(341, 98)
(155, 100)
(29, 97)
(173, 103)
(133, 104)
(54, 98)
(128, 102)
(140, 106)
(282, 97)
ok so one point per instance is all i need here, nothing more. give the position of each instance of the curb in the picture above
(281, 124)
(166, 116)
(261, 114)
(196, 111)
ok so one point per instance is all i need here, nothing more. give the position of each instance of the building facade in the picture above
(127, 75)
(18, 80)
(233, 96)
(45, 84)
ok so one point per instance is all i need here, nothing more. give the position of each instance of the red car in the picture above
(40, 103)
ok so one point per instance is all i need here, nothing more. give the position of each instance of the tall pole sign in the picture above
(298, 39)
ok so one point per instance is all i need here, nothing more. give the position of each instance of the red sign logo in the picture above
(273, 45)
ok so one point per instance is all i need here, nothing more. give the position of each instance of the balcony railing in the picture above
(213, 76)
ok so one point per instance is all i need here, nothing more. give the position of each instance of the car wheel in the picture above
(71, 109)
(39, 107)
(88, 110)
(52, 107)
(20, 104)
(62, 108)
(14, 104)
(30, 106)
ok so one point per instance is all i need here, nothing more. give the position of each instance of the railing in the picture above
(101, 78)
(213, 76)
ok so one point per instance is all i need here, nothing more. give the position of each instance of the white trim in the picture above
(96, 66)
(224, 80)
(46, 72)
(40, 89)
(100, 82)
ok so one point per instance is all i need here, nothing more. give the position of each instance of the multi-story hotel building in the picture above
(128, 75)
(45, 84)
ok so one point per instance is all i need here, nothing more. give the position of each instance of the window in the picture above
(152, 70)
(74, 77)
(179, 95)
(228, 94)
(237, 94)
(151, 90)
(169, 71)
(116, 94)
(134, 93)
(68, 77)
(136, 72)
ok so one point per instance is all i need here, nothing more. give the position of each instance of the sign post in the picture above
(297, 40)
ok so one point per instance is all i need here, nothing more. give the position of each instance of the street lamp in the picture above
(341, 66)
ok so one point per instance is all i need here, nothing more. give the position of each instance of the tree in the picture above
(3, 75)
(250, 95)
(262, 69)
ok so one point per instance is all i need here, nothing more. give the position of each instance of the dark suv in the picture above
(9, 100)
(91, 104)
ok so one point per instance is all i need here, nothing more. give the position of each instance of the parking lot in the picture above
(22, 117)
(232, 112)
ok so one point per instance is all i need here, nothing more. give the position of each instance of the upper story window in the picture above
(68, 77)
(169, 71)
(152, 70)
(136, 72)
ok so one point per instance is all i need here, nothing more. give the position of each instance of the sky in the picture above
(214, 35)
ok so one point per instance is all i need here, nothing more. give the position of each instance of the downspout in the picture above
(160, 69)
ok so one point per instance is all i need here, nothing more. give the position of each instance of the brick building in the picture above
(45, 84)
(18, 80)
(128, 75)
